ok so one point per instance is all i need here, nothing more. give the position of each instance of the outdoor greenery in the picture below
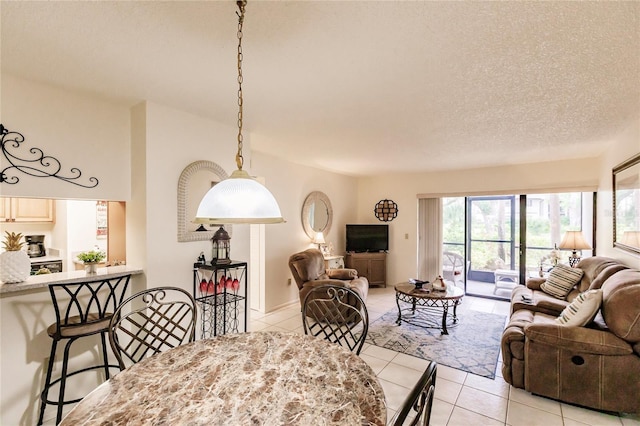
(494, 239)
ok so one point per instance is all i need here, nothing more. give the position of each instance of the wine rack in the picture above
(221, 293)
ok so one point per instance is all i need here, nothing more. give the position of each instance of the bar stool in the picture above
(82, 309)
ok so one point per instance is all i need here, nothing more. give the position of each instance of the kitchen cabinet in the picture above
(26, 210)
(370, 265)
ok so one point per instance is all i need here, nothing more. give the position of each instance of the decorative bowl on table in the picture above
(418, 283)
(439, 284)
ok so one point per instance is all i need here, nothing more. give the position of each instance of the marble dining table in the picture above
(255, 378)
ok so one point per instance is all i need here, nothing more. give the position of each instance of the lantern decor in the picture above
(221, 247)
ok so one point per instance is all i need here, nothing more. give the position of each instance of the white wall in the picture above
(627, 144)
(290, 184)
(404, 190)
(169, 142)
(77, 129)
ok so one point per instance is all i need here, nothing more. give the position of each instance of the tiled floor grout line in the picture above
(377, 303)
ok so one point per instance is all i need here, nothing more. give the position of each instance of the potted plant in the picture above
(15, 265)
(91, 259)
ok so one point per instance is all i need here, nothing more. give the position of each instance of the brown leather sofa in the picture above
(596, 366)
(308, 270)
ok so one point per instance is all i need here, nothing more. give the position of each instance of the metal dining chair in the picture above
(420, 400)
(337, 314)
(152, 321)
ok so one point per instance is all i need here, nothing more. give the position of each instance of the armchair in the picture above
(308, 270)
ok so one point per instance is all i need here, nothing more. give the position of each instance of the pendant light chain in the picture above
(239, 198)
(241, 5)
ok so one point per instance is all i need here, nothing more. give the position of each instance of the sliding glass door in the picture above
(549, 216)
(486, 232)
(492, 243)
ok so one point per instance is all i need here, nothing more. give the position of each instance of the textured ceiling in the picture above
(356, 87)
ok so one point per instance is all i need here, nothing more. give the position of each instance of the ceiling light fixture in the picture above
(239, 198)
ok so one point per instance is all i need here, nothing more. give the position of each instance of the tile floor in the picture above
(461, 398)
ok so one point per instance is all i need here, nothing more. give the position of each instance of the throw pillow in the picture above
(582, 310)
(561, 280)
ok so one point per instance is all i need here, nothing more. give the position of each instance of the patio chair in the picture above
(337, 314)
(150, 322)
(420, 400)
(453, 268)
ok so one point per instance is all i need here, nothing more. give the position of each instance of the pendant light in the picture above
(239, 198)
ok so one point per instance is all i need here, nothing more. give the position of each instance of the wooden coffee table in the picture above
(427, 307)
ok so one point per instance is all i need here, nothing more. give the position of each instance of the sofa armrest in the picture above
(342, 274)
(535, 283)
(578, 339)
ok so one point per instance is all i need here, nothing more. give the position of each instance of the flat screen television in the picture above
(367, 238)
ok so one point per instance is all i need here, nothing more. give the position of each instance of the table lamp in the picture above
(574, 240)
(319, 239)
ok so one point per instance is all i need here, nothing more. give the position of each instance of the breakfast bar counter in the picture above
(26, 310)
(35, 282)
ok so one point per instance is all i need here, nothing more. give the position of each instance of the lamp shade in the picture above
(631, 238)
(319, 238)
(574, 240)
(238, 199)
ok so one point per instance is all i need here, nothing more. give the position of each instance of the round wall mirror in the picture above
(317, 214)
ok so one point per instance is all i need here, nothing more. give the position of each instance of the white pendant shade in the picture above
(238, 199)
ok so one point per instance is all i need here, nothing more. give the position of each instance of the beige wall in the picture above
(77, 129)
(172, 140)
(405, 189)
(290, 184)
(144, 172)
(627, 144)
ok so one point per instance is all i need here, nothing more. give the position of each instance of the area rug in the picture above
(473, 345)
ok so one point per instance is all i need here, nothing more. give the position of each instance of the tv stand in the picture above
(372, 265)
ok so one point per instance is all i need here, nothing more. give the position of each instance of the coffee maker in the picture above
(35, 245)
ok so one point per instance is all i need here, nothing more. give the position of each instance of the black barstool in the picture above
(82, 309)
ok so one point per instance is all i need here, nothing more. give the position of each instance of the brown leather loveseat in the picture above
(596, 365)
(308, 270)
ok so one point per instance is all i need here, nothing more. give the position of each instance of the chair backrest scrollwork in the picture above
(150, 322)
(337, 314)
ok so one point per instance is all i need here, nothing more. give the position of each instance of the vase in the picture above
(15, 266)
(91, 267)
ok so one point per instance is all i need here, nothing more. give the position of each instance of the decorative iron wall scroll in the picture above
(386, 210)
(34, 163)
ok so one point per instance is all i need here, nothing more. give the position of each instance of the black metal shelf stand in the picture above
(220, 305)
